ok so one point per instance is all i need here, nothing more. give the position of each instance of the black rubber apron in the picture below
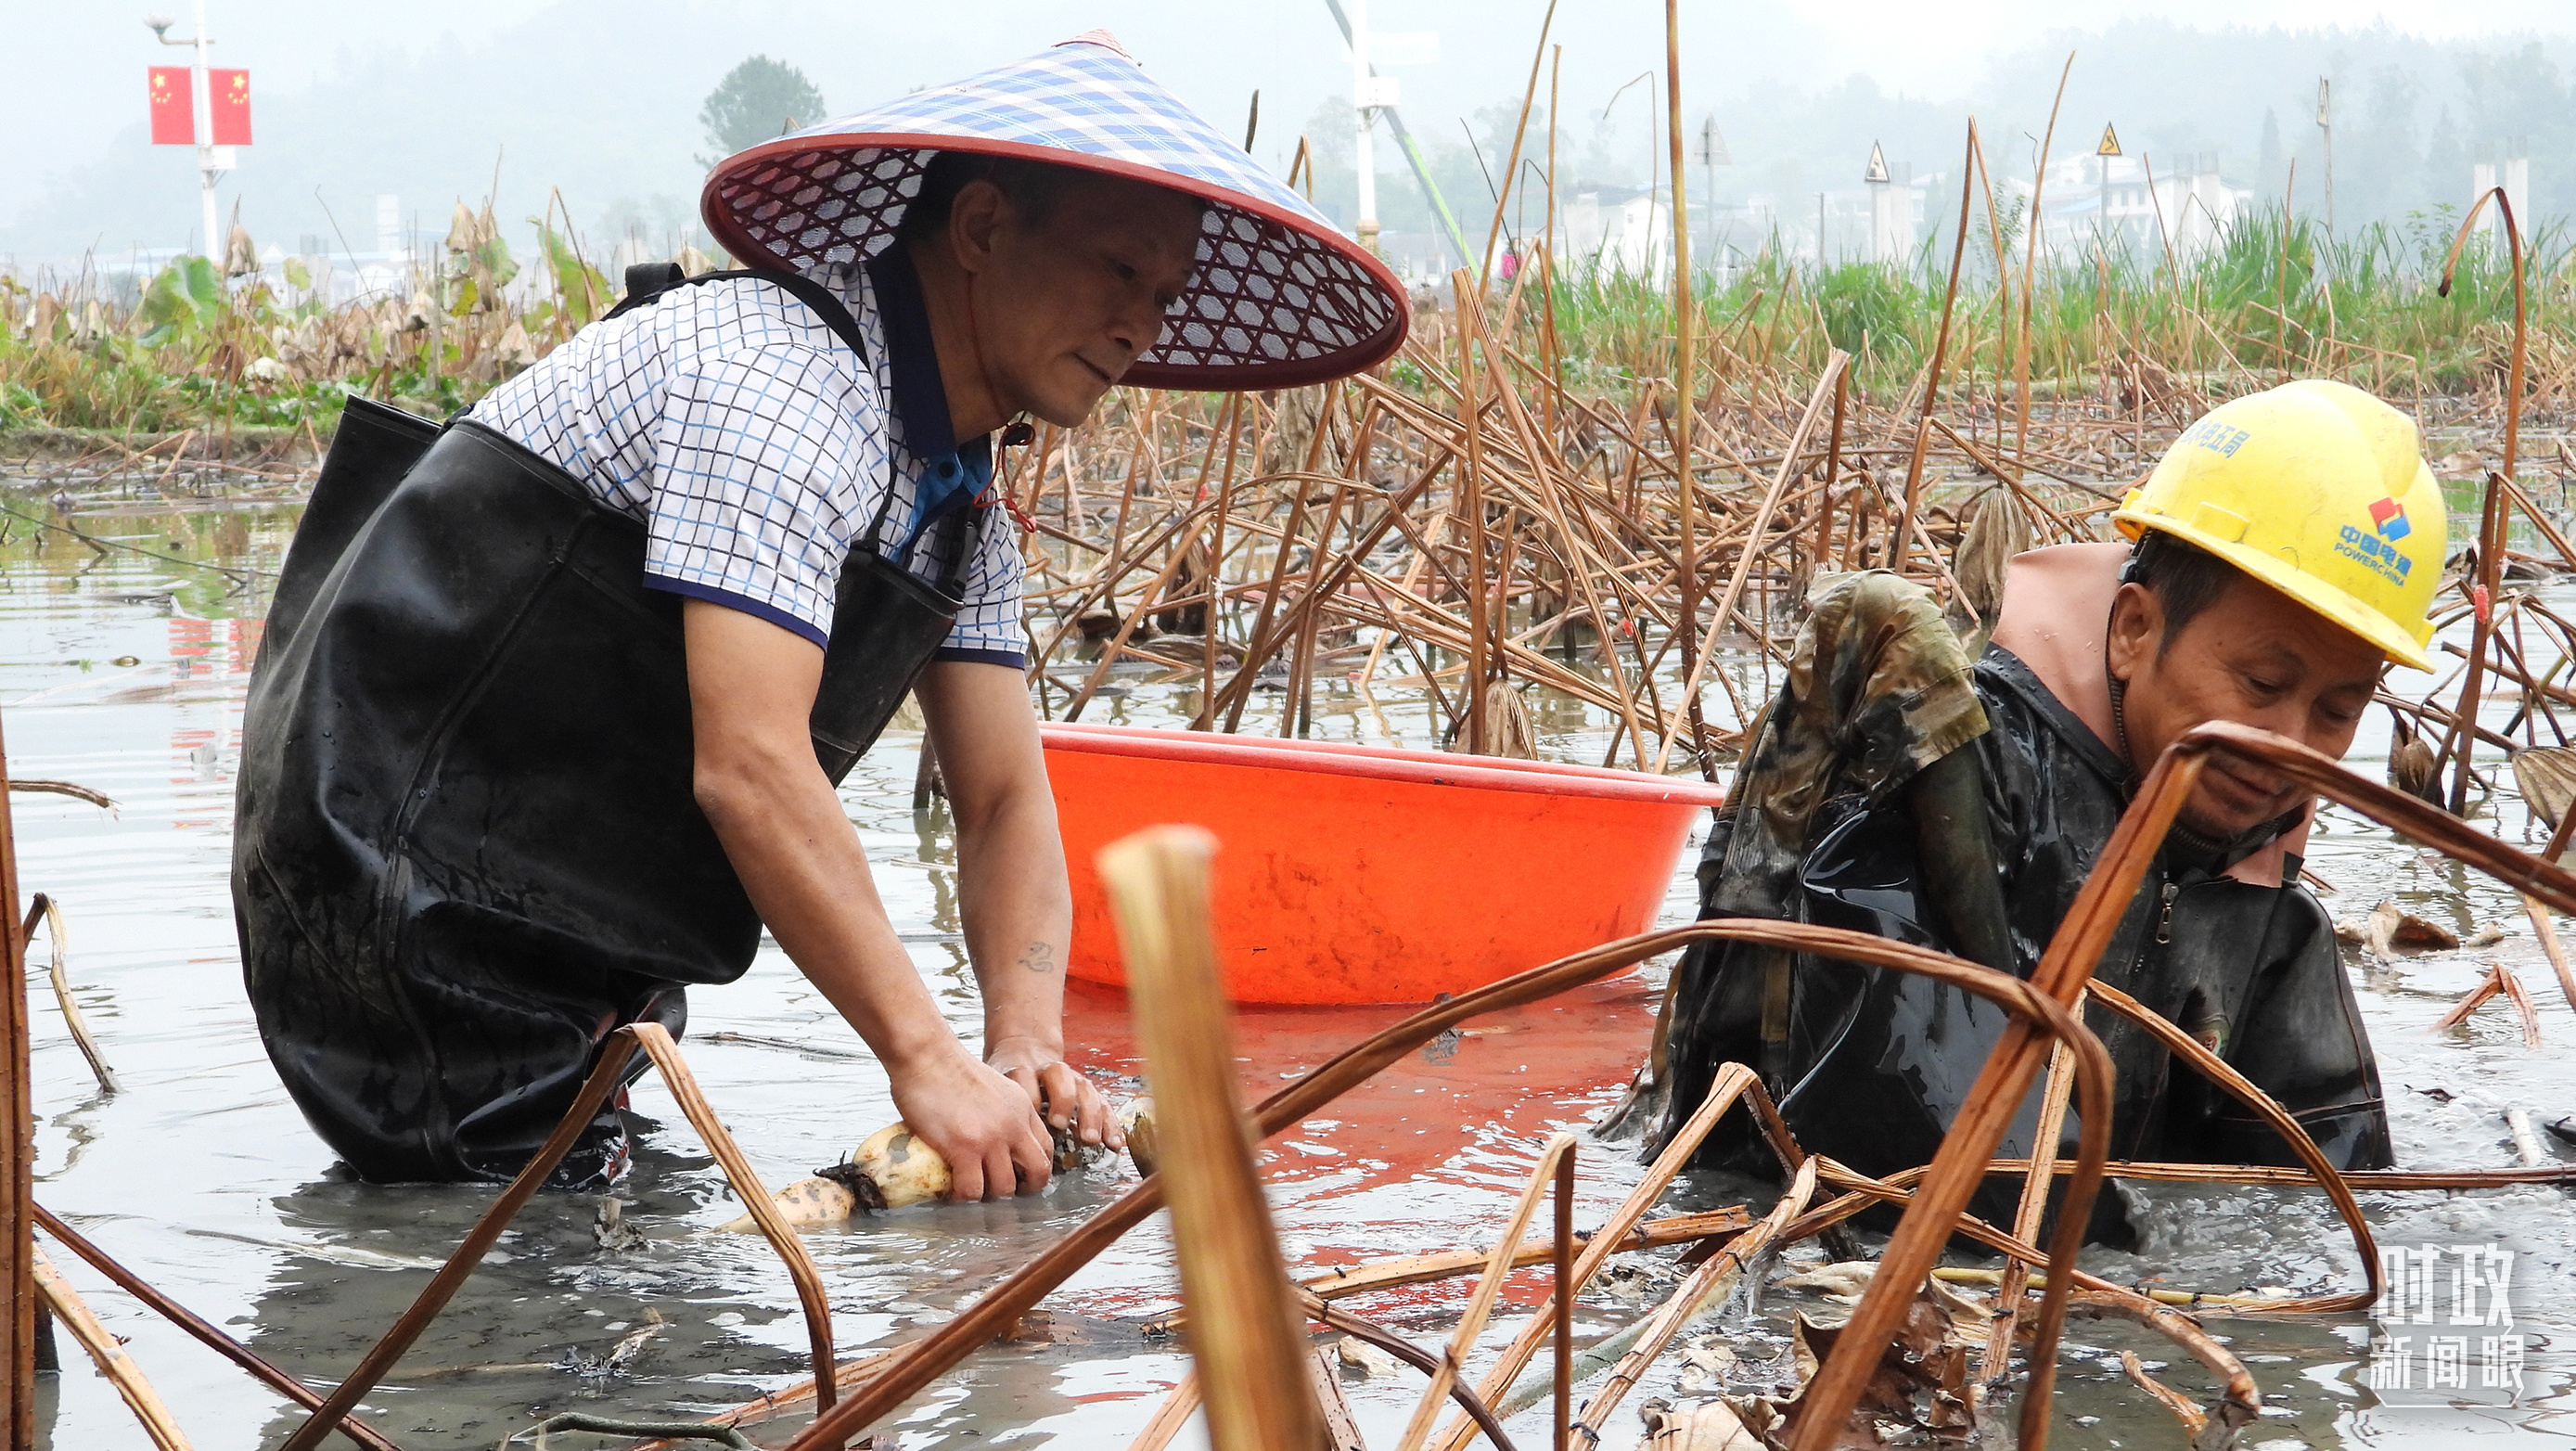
(466, 846)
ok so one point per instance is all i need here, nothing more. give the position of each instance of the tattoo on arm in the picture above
(1040, 957)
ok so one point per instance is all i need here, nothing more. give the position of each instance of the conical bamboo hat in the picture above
(1280, 297)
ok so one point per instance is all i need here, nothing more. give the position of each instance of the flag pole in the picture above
(201, 121)
(202, 95)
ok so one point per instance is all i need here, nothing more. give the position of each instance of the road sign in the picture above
(1877, 165)
(1712, 146)
(2110, 145)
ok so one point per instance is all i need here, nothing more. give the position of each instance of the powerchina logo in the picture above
(2430, 1348)
(2377, 547)
(2390, 516)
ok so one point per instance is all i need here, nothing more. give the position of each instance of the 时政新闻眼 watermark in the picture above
(2442, 1330)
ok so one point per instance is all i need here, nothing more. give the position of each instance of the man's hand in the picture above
(982, 1123)
(1063, 1094)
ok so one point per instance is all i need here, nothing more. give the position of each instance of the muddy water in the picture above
(125, 673)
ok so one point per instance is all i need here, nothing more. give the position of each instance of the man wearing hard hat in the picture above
(552, 709)
(2284, 551)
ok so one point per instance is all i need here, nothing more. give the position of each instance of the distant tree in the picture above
(2446, 166)
(1331, 139)
(2519, 102)
(756, 100)
(2271, 167)
(2384, 177)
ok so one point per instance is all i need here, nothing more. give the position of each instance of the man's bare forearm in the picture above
(1018, 919)
(751, 687)
(784, 829)
(1016, 910)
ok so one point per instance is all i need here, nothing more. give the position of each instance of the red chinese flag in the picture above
(174, 116)
(231, 106)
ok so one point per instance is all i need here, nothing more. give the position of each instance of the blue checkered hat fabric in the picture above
(1280, 296)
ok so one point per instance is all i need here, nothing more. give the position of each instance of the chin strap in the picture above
(2120, 719)
(2129, 571)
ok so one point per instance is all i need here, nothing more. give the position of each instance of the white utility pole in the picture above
(2103, 151)
(1882, 197)
(212, 160)
(1364, 104)
(1712, 155)
(2325, 125)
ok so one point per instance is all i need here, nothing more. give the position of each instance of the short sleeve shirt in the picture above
(758, 450)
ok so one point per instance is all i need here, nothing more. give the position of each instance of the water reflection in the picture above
(125, 673)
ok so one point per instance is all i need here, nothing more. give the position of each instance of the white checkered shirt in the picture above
(754, 447)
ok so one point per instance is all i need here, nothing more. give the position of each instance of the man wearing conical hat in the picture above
(2283, 553)
(555, 701)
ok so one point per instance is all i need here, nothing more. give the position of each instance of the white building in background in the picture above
(1620, 228)
(2514, 175)
(2141, 202)
(1894, 207)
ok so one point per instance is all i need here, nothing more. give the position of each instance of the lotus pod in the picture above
(1986, 548)
(1137, 1118)
(2412, 766)
(2547, 776)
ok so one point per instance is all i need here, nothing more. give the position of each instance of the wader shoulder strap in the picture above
(648, 282)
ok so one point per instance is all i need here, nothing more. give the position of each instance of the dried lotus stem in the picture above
(614, 1054)
(2499, 979)
(1707, 1284)
(2064, 970)
(931, 1356)
(1247, 1339)
(1557, 1156)
(58, 971)
(74, 1316)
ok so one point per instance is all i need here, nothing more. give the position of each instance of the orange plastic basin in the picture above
(1361, 874)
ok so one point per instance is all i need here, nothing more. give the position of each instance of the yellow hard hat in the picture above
(2318, 490)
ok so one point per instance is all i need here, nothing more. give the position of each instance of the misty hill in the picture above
(2411, 116)
(602, 103)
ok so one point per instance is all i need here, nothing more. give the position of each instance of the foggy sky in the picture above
(600, 99)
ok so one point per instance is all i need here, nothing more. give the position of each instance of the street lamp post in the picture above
(1712, 155)
(2325, 126)
(1365, 90)
(212, 161)
(1882, 198)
